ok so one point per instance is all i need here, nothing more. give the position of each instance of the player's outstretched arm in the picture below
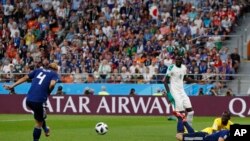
(19, 81)
(186, 78)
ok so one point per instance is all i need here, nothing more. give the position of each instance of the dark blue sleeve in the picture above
(224, 134)
(55, 77)
(215, 136)
(32, 74)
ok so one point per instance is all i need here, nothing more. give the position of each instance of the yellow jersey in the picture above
(217, 126)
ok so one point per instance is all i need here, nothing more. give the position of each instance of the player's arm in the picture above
(221, 139)
(18, 82)
(215, 125)
(166, 79)
(224, 135)
(189, 79)
(52, 85)
(166, 82)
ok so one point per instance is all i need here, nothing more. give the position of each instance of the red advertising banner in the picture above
(127, 105)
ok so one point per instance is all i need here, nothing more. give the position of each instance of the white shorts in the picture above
(182, 102)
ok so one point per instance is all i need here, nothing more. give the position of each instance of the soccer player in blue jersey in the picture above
(43, 82)
(221, 135)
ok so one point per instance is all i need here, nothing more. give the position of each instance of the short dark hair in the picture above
(178, 57)
(226, 114)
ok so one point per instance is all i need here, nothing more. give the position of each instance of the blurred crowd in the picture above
(118, 41)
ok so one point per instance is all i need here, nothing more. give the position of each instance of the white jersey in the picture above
(176, 75)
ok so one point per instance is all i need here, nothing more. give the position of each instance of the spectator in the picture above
(213, 92)
(78, 77)
(157, 77)
(196, 75)
(224, 69)
(90, 78)
(185, 29)
(132, 92)
(118, 32)
(152, 67)
(158, 92)
(88, 91)
(104, 70)
(203, 67)
(125, 74)
(12, 92)
(200, 92)
(8, 8)
(137, 77)
(103, 91)
(209, 76)
(147, 76)
(60, 91)
(235, 60)
(223, 53)
(67, 78)
(229, 92)
(162, 68)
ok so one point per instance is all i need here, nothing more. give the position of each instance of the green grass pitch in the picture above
(81, 128)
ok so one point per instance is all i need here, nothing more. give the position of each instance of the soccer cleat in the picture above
(172, 118)
(47, 133)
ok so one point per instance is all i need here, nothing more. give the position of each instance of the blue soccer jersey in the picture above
(215, 136)
(39, 89)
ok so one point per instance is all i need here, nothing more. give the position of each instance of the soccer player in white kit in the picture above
(174, 84)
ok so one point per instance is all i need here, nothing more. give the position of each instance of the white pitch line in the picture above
(14, 120)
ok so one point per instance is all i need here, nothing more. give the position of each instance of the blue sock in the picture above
(188, 127)
(180, 126)
(37, 133)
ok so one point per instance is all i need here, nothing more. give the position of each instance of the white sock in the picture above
(190, 116)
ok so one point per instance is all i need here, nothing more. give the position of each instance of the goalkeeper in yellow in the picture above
(222, 123)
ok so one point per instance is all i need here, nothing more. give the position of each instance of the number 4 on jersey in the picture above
(41, 76)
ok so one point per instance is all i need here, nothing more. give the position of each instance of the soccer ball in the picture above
(101, 128)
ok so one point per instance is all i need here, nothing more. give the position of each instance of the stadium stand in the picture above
(118, 41)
